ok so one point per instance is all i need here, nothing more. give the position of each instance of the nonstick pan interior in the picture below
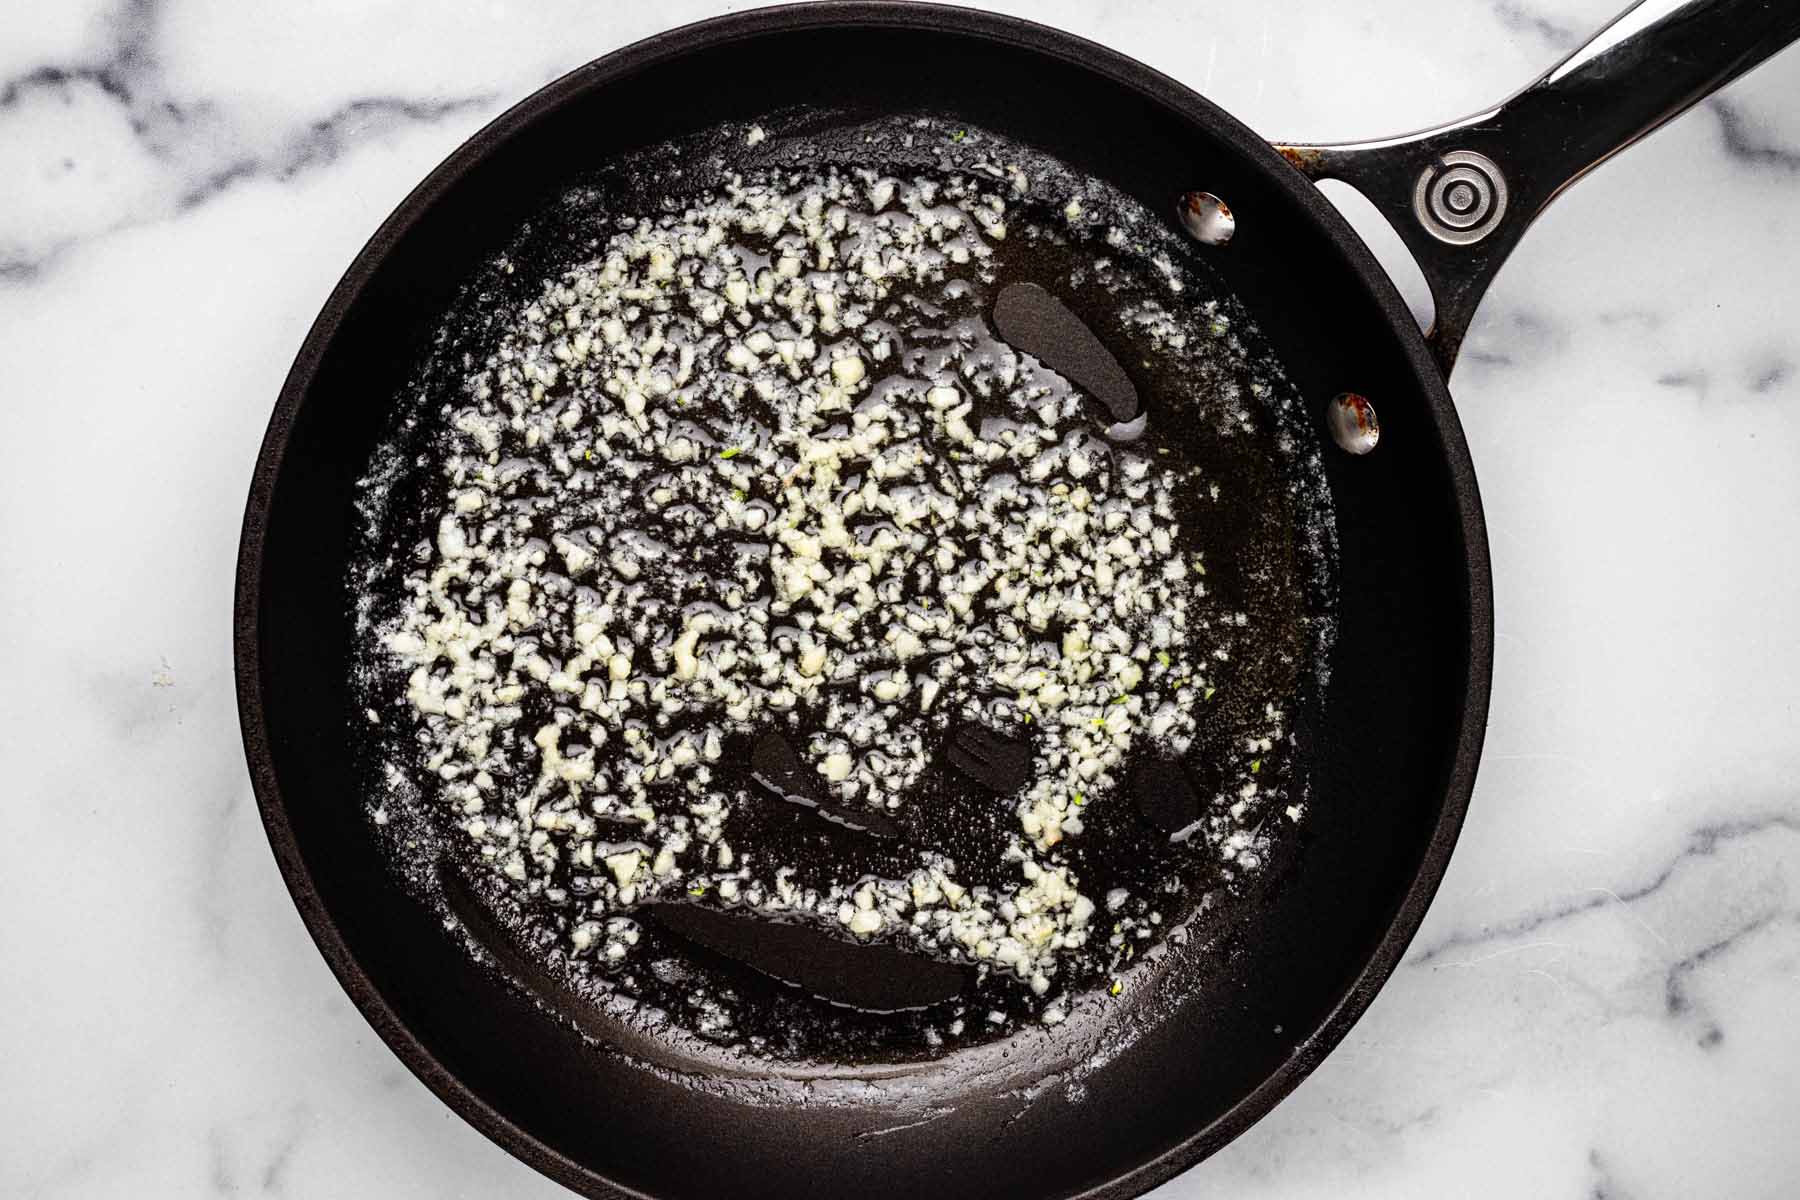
(1391, 758)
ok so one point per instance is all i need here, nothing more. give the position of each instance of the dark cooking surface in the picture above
(1254, 511)
(1390, 759)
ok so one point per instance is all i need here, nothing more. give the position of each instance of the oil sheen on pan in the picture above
(776, 658)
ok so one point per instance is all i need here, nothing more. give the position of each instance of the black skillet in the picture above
(1391, 765)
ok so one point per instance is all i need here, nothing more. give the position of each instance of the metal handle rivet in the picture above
(1207, 218)
(1351, 419)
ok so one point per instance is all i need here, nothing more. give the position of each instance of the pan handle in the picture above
(1461, 194)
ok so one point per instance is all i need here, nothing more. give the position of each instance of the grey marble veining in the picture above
(193, 145)
(1601, 1002)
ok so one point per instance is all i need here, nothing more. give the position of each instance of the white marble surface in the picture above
(1602, 1002)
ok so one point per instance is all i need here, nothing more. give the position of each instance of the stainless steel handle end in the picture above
(1462, 194)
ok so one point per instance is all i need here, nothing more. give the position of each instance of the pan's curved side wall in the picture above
(1401, 733)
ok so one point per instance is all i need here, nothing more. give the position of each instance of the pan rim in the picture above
(1119, 68)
